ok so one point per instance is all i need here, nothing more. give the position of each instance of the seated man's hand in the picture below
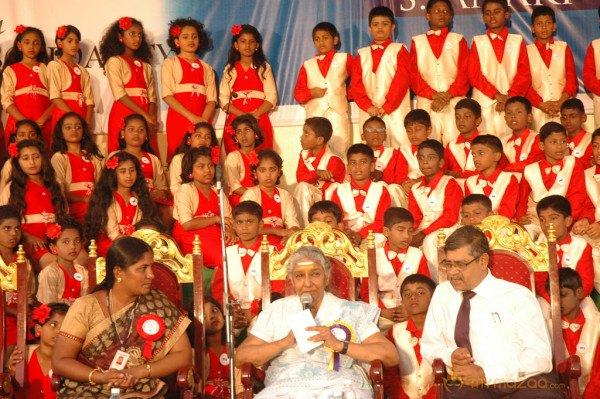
(470, 375)
(461, 357)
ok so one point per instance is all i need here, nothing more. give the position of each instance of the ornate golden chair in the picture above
(170, 269)
(347, 264)
(13, 279)
(515, 257)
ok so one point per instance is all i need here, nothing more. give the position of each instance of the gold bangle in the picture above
(148, 368)
(92, 372)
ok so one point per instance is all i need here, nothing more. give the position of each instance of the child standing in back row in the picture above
(321, 85)
(381, 77)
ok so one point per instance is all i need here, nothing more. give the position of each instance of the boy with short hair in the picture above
(439, 59)
(457, 155)
(318, 167)
(395, 261)
(572, 117)
(475, 208)
(556, 174)
(244, 268)
(592, 186)
(381, 76)
(416, 376)
(374, 135)
(591, 74)
(498, 66)
(581, 332)
(573, 252)
(418, 128)
(434, 202)
(501, 187)
(522, 147)
(362, 200)
(327, 212)
(553, 77)
(321, 85)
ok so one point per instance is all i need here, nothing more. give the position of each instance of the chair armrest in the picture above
(571, 367)
(439, 370)
(187, 377)
(55, 382)
(252, 378)
(376, 371)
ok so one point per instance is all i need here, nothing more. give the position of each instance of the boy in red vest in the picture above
(321, 85)
(318, 167)
(498, 67)
(381, 76)
(439, 59)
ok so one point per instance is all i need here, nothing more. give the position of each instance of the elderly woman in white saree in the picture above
(347, 329)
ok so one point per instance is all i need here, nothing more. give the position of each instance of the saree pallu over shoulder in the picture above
(100, 345)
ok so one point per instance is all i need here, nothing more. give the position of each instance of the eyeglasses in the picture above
(460, 265)
(375, 129)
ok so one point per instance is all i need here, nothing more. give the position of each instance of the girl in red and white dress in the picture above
(25, 129)
(279, 217)
(188, 84)
(127, 56)
(24, 88)
(70, 87)
(202, 135)
(248, 85)
(248, 136)
(77, 162)
(134, 140)
(217, 381)
(48, 318)
(120, 200)
(196, 209)
(11, 237)
(64, 280)
(35, 194)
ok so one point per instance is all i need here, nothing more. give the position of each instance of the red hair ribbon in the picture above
(176, 31)
(125, 23)
(61, 32)
(150, 327)
(13, 150)
(112, 163)
(253, 158)
(229, 130)
(41, 314)
(236, 29)
(214, 153)
(53, 231)
(20, 29)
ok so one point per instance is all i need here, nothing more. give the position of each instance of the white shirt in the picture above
(508, 335)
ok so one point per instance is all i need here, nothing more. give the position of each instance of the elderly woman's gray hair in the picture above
(312, 253)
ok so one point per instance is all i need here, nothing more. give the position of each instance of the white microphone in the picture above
(306, 300)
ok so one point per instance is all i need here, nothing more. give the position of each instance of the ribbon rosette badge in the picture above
(343, 332)
(150, 327)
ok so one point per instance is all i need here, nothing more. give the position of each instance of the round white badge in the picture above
(448, 45)
(413, 341)
(560, 180)
(567, 259)
(493, 196)
(195, 65)
(508, 49)
(253, 271)
(78, 276)
(339, 334)
(555, 56)
(379, 166)
(77, 71)
(277, 198)
(581, 347)
(137, 63)
(431, 202)
(133, 201)
(385, 58)
(407, 268)
(577, 153)
(523, 157)
(224, 360)
(36, 68)
(367, 207)
(151, 327)
(334, 64)
(145, 160)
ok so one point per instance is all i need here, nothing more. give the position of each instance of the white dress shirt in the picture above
(508, 335)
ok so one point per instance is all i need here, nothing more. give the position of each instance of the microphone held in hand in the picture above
(306, 300)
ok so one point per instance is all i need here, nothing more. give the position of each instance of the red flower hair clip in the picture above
(41, 314)
(253, 158)
(214, 152)
(125, 23)
(255, 307)
(13, 150)
(112, 163)
(236, 29)
(61, 32)
(229, 130)
(122, 125)
(191, 128)
(53, 231)
(20, 29)
(176, 31)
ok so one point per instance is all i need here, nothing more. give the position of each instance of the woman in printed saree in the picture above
(124, 334)
(347, 330)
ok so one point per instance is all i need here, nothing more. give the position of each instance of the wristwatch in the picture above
(345, 348)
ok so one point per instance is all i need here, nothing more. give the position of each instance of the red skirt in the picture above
(210, 243)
